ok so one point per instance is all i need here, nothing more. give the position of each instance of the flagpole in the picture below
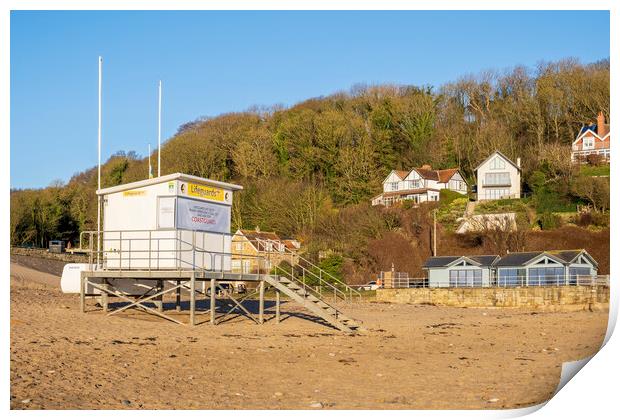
(99, 167)
(150, 167)
(159, 134)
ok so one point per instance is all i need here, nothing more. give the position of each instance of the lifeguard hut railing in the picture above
(287, 262)
(185, 250)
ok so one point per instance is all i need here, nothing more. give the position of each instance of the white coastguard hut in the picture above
(454, 271)
(174, 221)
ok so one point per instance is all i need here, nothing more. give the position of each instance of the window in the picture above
(466, 278)
(576, 274)
(497, 178)
(239, 246)
(456, 185)
(498, 163)
(548, 276)
(496, 193)
(393, 186)
(413, 184)
(511, 277)
(588, 142)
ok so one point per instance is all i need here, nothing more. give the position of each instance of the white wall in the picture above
(134, 239)
(513, 191)
(389, 180)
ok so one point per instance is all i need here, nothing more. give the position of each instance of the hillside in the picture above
(310, 170)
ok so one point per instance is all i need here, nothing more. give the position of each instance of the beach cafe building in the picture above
(518, 269)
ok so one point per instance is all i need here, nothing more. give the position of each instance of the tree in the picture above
(595, 190)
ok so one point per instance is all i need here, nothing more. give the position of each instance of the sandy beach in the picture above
(411, 357)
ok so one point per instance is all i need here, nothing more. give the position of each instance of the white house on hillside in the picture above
(419, 185)
(498, 177)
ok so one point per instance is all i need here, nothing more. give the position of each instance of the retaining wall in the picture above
(551, 298)
(44, 253)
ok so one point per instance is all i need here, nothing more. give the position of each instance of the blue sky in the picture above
(217, 62)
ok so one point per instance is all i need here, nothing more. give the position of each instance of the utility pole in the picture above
(434, 232)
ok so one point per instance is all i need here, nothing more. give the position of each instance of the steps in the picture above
(314, 303)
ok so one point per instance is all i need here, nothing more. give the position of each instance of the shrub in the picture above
(594, 160)
(448, 214)
(592, 219)
(332, 265)
(547, 200)
(550, 221)
(448, 196)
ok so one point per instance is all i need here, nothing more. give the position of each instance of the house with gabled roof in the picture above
(256, 250)
(463, 271)
(498, 177)
(419, 185)
(592, 139)
(515, 269)
(545, 268)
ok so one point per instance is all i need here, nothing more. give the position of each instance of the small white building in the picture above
(419, 185)
(498, 177)
(516, 269)
(174, 221)
(545, 268)
(463, 271)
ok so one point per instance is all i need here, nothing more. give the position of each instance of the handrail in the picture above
(132, 255)
(281, 249)
(322, 283)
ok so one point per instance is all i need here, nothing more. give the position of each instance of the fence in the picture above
(503, 282)
(186, 250)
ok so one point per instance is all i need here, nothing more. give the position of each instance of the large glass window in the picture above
(413, 184)
(497, 178)
(466, 278)
(547, 276)
(511, 277)
(498, 163)
(577, 274)
(496, 193)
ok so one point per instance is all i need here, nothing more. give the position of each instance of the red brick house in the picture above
(593, 139)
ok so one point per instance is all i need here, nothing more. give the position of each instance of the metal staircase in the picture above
(314, 303)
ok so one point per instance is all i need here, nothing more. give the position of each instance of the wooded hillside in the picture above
(310, 169)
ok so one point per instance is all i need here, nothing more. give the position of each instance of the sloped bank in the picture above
(552, 298)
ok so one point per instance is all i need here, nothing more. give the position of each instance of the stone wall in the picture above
(551, 298)
(44, 253)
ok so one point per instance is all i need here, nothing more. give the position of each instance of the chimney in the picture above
(518, 162)
(601, 129)
(257, 229)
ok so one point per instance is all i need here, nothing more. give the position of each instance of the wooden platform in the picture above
(173, 281)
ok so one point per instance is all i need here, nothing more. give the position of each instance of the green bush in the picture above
(511, 205)
(547, 200)
(448, 196)
(550, 221)
(448, 214)
(588, 170)
(332, 265)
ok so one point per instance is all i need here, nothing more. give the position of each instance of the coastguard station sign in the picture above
(202, 216)
(205, 192)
